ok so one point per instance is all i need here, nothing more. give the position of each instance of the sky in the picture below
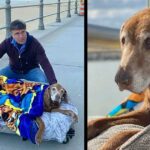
(112, 13)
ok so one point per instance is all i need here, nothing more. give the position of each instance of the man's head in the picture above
(18, 31)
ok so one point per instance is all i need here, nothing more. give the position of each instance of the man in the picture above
(25, 55)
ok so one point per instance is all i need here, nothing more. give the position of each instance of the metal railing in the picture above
(71, 5)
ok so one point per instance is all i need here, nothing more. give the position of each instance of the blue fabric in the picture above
(12, 99)
(115, 110)
(131, 104)
(21, 49)
(29, 105)
(28, 128)
(35, 74)
(123, 108)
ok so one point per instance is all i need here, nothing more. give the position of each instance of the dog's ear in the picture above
(47, 96)
(65, 97)
(49, 88)
(48, 91)
(122, 27)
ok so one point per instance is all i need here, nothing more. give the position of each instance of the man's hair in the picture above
(17, 25)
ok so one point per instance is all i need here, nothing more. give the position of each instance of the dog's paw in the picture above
(73, 115)
(97, 126)
(75, 118)
(91, 130)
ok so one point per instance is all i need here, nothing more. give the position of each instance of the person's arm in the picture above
(2, 48)
(45, 64)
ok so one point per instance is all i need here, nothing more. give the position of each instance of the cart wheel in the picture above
(24, 139)
(66, 140)
(70, 136)
(71, 132)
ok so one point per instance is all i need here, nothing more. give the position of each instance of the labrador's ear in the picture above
(49, 88)
(47, 97)
(50, 107)
(65, 97)
(48, 91)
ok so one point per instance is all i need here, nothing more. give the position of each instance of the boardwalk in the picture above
(64, 45)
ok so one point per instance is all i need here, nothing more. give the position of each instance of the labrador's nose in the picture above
(123, 77)
(57, 97)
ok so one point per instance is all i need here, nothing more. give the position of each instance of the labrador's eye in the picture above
(123, 40)
(53, 89)
(62, 91)
(147, 43)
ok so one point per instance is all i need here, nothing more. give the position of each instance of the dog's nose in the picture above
(57, 96)
(123, 77)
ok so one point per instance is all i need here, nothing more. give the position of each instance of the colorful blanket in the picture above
(20, 103)
(127, 105)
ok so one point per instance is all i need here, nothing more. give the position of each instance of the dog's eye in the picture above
(147, 42)
(62, 91)
(123, 40)
(53, 88)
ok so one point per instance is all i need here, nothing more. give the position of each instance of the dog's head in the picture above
(134, 70)
(57, 93)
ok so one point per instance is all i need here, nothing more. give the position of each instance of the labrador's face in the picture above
(134, 70)
(57, 92)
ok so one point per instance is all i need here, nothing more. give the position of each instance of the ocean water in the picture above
(113, 13)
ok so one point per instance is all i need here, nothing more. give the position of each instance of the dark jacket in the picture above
(33, 55)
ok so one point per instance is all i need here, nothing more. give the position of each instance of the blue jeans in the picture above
(35, 74)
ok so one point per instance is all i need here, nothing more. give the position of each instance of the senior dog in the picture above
(52, 97)
(133, 75)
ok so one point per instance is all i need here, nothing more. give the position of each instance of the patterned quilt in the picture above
(20, 103)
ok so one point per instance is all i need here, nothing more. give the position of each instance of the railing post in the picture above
(69, 14)
(8, 17)
(41, 24)
(58, 12)
(76, 7)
